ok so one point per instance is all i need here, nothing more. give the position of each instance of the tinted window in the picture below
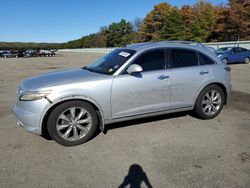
(184, 58)
(242, 50)
(204, 60)
(233, 50)
(153, 60)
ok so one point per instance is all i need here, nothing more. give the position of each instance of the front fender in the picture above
(74, 97)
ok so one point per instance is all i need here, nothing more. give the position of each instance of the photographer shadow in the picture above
(136, 176)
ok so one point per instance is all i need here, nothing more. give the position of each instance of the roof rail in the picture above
(139, 43)
(183, 42)
(168, 41)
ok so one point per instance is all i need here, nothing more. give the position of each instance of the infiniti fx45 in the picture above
(140, 80)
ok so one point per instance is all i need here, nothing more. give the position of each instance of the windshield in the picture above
(223, 49)
(111, 62)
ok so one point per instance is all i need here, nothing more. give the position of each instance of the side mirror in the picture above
(134, 68)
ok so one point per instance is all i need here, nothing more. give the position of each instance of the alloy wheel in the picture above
(74, 123)
(247, 60)
(211, 102)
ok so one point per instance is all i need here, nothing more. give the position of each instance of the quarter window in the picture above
(204, 60)
(184, 58)
(153, 60)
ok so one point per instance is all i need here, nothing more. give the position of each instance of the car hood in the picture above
(63, 77)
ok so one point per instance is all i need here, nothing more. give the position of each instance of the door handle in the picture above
(204, 72)
(163, 77)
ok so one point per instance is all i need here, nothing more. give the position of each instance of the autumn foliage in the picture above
(202, 22)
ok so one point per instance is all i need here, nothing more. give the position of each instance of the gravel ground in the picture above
(175, 150)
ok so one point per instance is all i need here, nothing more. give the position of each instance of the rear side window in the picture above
(184, 58)
(152, 60)
(204, 60)
(242, 50)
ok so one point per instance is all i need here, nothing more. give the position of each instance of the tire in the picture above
(60, 123)
(206, 108)
(247, 60)
(225, 60)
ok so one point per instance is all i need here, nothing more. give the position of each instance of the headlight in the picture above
(33, 95)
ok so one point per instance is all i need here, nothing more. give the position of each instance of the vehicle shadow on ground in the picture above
(146, 120)
(131, 123)
(236, 63)
(136, 176)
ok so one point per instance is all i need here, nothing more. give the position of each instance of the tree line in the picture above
(201, 22)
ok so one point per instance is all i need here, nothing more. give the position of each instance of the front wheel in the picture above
(209, 102)
(225, 61)
(72, 123)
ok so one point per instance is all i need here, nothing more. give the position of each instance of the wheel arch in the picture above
(97, 107)
(222, 86)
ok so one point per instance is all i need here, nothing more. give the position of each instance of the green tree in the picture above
(173, 28)
(119, 34)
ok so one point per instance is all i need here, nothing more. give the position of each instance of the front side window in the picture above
(152, 60)
(110, 63)
(233, 50)
(184, 58)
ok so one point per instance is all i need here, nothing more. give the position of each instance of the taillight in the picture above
(228, 69)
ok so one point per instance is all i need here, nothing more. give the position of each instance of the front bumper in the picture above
(29, 114)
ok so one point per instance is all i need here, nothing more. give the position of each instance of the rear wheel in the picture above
(72, 123)
(209, 102)
(247, 60)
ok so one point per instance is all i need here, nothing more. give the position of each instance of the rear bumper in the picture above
(229, 93)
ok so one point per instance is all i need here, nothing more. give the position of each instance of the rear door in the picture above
(145, 92)
(242, 54)
(187, 77)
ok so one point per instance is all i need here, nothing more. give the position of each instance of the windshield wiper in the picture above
(86, 68)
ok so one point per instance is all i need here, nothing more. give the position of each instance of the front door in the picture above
(145, 92)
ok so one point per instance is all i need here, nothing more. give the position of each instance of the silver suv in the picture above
(140, 80)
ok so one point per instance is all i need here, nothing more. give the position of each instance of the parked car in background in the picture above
(31, 53)
(140, 80)
(234, 55)
(46, 53)
(2, 53)
(8, 54)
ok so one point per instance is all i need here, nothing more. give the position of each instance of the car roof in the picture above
(141, 46)
(173, 44)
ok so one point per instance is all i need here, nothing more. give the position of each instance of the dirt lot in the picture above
(173, 150)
